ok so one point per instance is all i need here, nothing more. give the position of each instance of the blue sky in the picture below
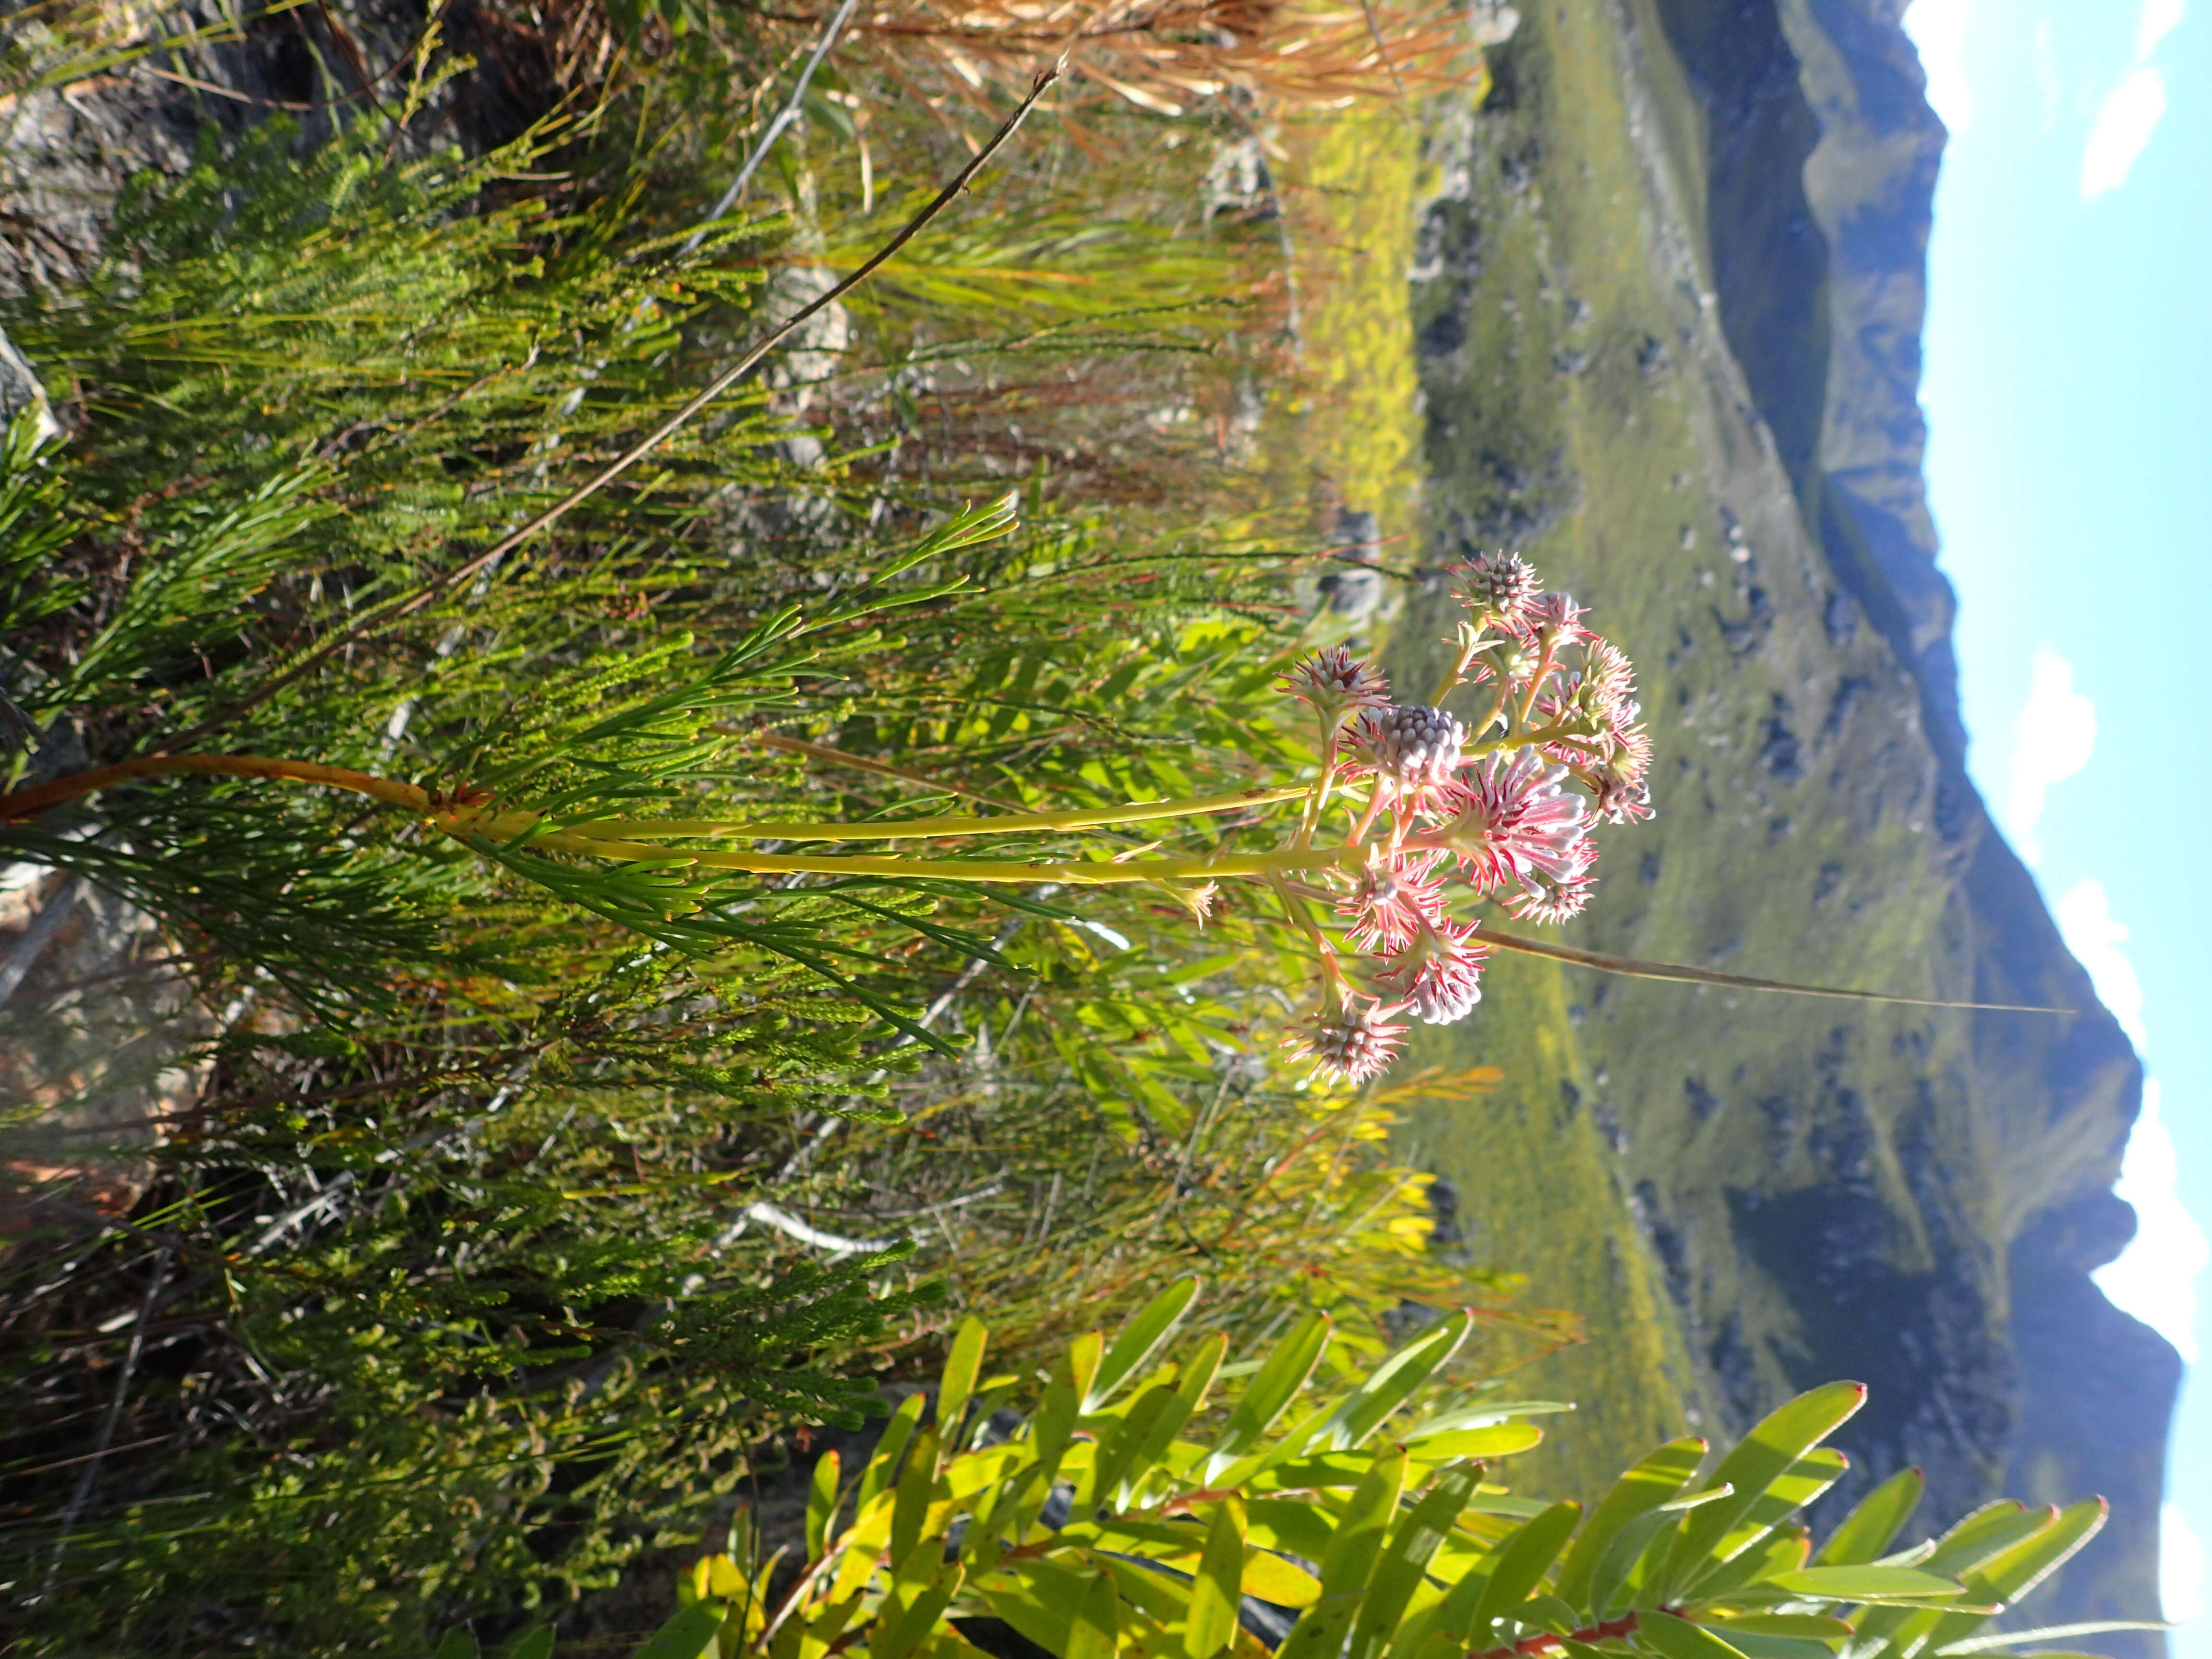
(2069, 393)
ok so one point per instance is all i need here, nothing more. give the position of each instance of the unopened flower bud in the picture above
(1498, 587)
(1353, 1044)
(1336, 683)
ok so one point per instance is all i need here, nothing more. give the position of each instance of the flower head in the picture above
(1619, 798)
(1498, 588)
(1412, 749)
(1439, 972)
(1607, 673)
(1545, 897)
(1353, 1043)
(1559, 613)
(1397, 897)
(1336, 683)
(1512, 817)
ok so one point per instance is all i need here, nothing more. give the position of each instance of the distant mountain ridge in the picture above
(1817, 112)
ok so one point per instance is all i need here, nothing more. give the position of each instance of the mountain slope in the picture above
(1669, 305)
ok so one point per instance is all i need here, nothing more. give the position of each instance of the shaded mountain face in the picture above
(1670, 312)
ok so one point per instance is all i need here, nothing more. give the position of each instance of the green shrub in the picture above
(1133, 1512)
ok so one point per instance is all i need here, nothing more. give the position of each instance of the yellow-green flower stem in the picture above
(507, 826)
(468, 825)
(1547, 642)
(1331, 976)
(602, 839)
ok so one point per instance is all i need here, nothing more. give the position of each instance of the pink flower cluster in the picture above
(1503, 798)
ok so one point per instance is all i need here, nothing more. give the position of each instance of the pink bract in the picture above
(1333, 682)
(1512, 819)
(1397, 897)
(1354, 1043)
(1439, 972)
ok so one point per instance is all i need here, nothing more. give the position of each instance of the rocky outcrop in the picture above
(69, 147)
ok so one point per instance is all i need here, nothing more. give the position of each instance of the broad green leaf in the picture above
(1216, 1590)
(1652, 1481)
(1547, 1612)
(1272, 1578)
(1522, 1563)
(1405, 1558)
(822, 1504)
(1482, 1413)
(1632, 1564)
(1286, 1523)
(1269, 1472)
(536, 1643)
(1150, 1602)
(458, 1643)
(1201, 1370)
(1867, 1530)
(1078, 1365)
(1361, 1528)
(1784, 1551)
(1752, 1645)
(1986, 1534)
(1813, 1626)
(1678, 1638)
(1765, 1455)
(1054, 1424)
(1270, 1390)
(877, 1475)
(2012, 1638)
(919, 1617)
(689, 1635)
(1390, 1384)
(1038, 1598)
(910, 1507)
(1997, 1582)
(1095, 1633)
(1866, 1583)
(1437, 1631)
(986, 1537)
(1153, 1418)
(1498, 1440)
(1349, 1563)
(962, 1366)
(2027, 1564)
(1147, 1329)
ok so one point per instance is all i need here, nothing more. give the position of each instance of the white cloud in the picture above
(1938, 29)
(2131, 113)
(2095, 935)
(2180, 1566)
(2154, 1279)
(2052, 740)
(2160, 19)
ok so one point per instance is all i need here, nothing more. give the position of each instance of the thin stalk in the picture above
(789, 114)
(24, 803)
(1637, 968)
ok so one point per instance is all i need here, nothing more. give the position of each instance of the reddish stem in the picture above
(1548, 1642)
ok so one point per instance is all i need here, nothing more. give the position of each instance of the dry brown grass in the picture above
(1170, 56)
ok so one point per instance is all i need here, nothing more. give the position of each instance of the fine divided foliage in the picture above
(463, 1222)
